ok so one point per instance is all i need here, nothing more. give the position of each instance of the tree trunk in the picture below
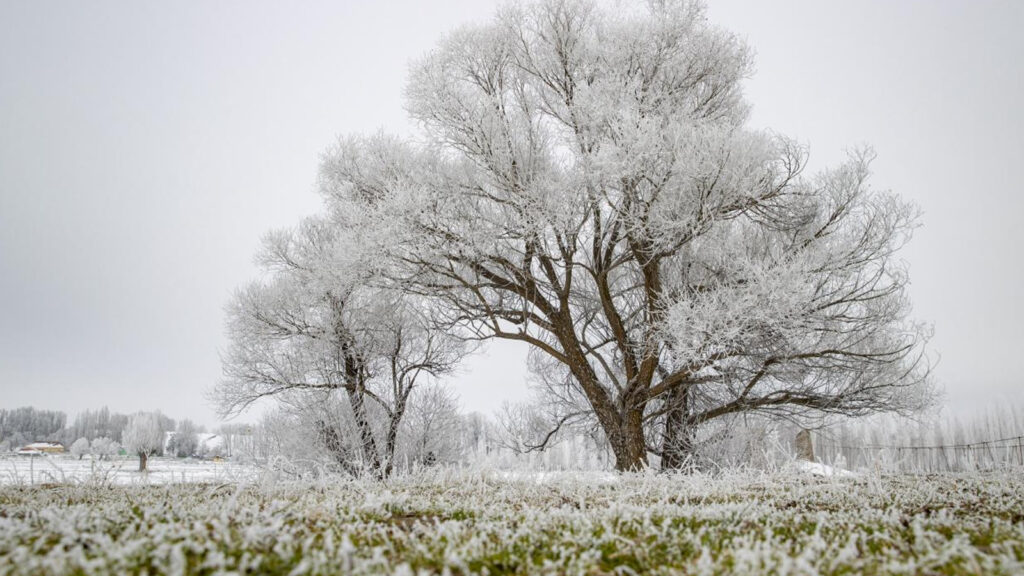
(622, 424)
(367, 441)
(389, 449)
(634, 456)
(391, 440)
(143, 457)
(625, 434)
(677, 448)
(355, 387)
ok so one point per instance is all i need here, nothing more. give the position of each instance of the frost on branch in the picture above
(584, 182)
(321, 324)
(143, 436)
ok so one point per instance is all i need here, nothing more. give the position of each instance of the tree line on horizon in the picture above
(291, 440)
(104, 433)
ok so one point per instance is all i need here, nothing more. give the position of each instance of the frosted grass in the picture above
(480, 521)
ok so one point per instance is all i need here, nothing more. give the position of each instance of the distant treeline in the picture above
(991, 439)
(25, 425)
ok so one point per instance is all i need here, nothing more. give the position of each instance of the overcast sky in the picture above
(145, 147)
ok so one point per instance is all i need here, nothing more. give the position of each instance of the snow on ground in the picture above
(548, 477)
(819, 469)
(63, 469)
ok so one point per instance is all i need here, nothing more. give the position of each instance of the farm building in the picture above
(44, 447)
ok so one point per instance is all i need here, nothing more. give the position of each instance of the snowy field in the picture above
(485, 522)
(20, 470)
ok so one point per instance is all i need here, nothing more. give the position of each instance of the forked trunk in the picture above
(623, 427)
(143, 457)
(623, 421)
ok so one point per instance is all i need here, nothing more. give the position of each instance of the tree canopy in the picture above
(585, 182)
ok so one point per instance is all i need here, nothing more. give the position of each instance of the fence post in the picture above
(804, 446)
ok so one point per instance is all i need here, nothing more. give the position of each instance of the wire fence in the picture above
(983, 455)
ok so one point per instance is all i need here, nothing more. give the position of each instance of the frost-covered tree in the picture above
(93, 424)
(79, 448)
(478, 436)
(24, 425)
(143, 436)
(284, 438)
(585, 183)
(104, 448)
(320, 325)
(235, 438)
(432, 432)
(185, 440)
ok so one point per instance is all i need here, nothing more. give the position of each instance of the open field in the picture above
(481, 522)
(20, 470)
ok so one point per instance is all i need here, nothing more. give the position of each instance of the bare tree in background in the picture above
(318, 324)
(523, 428)
(585, 183)
(432, 431)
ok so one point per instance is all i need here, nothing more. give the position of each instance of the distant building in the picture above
(211, 445)
(44, 447)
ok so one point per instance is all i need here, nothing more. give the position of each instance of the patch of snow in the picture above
(819, 469)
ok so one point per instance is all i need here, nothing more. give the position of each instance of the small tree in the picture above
(80, 448)
(526, 427)
(143, 436)
(185, 441)
(432, 426)
(321, 326)
(104, 447)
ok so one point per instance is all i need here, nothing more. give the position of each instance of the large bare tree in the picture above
(585, 182)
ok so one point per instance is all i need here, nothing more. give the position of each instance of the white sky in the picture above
(145, 147)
